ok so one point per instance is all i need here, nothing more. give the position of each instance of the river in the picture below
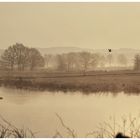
(83, 113)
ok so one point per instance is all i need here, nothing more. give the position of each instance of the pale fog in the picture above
(69, 70)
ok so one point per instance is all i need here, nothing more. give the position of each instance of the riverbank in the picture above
(115, 81)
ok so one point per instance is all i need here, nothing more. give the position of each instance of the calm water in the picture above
(83, 113)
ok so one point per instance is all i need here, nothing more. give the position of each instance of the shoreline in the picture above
(127, 82)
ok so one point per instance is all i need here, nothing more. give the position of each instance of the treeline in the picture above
(20, 57)
(83, 61)
(76, 61)
(137, 62)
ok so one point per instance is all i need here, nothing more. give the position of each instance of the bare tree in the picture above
(67, 61)
(110, 59)
(87, 59)
(61, 63)
(94, 60)
(21, 57)
(8, 58)
(137, 62)
(70, 59)
(35, 59)
(102, 60)
(47, 58)
(15, 55)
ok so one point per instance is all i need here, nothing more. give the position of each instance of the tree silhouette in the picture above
(137, 62)
(20, 57)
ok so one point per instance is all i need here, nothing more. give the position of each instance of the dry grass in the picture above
(70, 132)
(129, 126)
(8, 130)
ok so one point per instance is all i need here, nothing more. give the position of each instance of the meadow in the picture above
(127, 81)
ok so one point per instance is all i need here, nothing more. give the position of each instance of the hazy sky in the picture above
(91, 25)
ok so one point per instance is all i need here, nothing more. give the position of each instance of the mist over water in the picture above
(70, 65)
(83, 113)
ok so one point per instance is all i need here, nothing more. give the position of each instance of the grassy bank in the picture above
(115, 81)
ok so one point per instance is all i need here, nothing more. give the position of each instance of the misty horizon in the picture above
(61, 61)
(84, 25)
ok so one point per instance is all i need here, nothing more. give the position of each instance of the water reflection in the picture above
(20, 96)
(36, 110)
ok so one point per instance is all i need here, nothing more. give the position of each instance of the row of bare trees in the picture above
(21, 57)
(76, 61)
(82, 61)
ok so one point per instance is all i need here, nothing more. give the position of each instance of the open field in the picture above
(113, 81)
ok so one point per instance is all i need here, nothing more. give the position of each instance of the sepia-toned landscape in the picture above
(69, 70)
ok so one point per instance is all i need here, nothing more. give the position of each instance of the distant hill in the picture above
(60, 50)
(119, 50)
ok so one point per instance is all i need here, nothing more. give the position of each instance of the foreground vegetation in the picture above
(115, 81)
(8, 130)
(129, 126)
